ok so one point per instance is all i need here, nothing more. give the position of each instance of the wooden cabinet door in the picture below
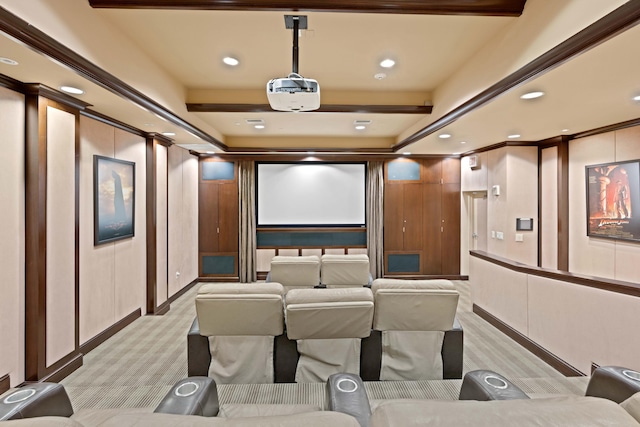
(451, 229)
(412, 223)
(208, 217)
(432, 260)
(228, 209)
(393, 217)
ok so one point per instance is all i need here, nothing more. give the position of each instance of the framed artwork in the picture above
(113, 199)
(613, 200)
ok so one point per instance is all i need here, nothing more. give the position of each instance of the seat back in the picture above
(413, 316)
(344, 270)
(328, 325)
(241, 321)
(295, 271)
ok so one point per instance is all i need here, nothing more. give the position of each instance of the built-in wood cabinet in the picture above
(422, 217)
(218, 219)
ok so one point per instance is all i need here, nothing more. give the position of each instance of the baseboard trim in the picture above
(162, 309)
(64, 371)
(182, 291)
(551, 359)
(5, 383)
(426, 277)
(109, 332)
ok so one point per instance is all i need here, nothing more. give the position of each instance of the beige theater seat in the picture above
(344, 270)
(241, 321)
(295, 272)
(413, 316)
(328, 325)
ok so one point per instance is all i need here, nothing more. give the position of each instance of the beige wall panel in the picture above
(288, 252)
(161, 224)
(334, 251)
(583, 325)
(130, 283)
(627, 254)
(500, 291)
(175, 218)
(474, 179)
(522, 202)
(97, 263)
(590, 256)
(12, 228)
(497, 206)
(190, 219)
(60, 217)
(263, 259)
(307, 252)
(549, 208)
(356, 251)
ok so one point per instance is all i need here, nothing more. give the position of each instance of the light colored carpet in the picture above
(138, 366)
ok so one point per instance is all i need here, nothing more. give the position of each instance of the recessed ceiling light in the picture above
(210, 152)
(259, 126)
(380, 76)
(463, 142)
(229, 60)
(406, 153)
(565, 130)
(513, 136)
(532, 95)
(387, 63)
(636, 98)
(72, 90)
(444, 135)
(360, 127)
(169, 133)
(8, 61)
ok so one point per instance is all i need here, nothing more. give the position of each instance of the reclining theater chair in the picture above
(294, 272)
(328, 325)
(345, 270)
(413, 316)
(241, 321)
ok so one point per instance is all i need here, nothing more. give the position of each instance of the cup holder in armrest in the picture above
(347, 385)
(488, 385)
(36, 400)
(346, 394)
(191, 396)
(632, 375)
(614, 383)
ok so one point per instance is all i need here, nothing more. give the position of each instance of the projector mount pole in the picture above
(295, 23)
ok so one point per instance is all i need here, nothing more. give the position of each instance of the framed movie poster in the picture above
(613, 200)
(113, 199)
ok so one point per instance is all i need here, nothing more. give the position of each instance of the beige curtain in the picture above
(247, 193)
(375, 217)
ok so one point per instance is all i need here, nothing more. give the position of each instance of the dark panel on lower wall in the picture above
(218, 264)
(109, 332)
(5, 383)
(403, 263)
(544, 354)
(311, 239)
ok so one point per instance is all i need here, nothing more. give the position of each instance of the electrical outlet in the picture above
(519, 238)
(493, 234)
(500, 235)
(177, 274)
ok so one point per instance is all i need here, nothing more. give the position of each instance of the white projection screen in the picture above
(311, 194)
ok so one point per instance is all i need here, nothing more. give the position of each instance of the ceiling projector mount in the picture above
(294, 92)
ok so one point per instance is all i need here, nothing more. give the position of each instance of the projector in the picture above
(293, 94)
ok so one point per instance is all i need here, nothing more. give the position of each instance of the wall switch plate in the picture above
(500, 235)
(493, 234)
(519, 238)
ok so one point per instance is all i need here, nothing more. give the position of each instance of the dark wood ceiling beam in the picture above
(423, 7)
(337, 108)
(621, 19)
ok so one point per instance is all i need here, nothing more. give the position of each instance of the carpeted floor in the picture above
(138, 366)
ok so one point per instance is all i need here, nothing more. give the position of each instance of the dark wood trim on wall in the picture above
(621, 19)
(62, 370)
(563, 204)
(544, 354)
(610, 285)
(48, 46)
(605, 129)
(110, 331)
(151, 214)
(501, 145)
(13, 84)
(112, 122)
(5, 383)
(324, 108)
(429, 7)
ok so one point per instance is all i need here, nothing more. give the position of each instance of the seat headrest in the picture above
(345, 270)
(236, 309)
(296, 270)
(329, 313)
(414, 305)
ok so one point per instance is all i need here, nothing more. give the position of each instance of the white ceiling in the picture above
(342, 51)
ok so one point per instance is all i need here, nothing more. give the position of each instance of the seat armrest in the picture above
(452, 352)
(346, 394)
(614, 383)
(198, 355)
(191, 396)
(36, 400)
(488, 385)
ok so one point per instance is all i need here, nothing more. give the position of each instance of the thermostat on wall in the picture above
(525, 224)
